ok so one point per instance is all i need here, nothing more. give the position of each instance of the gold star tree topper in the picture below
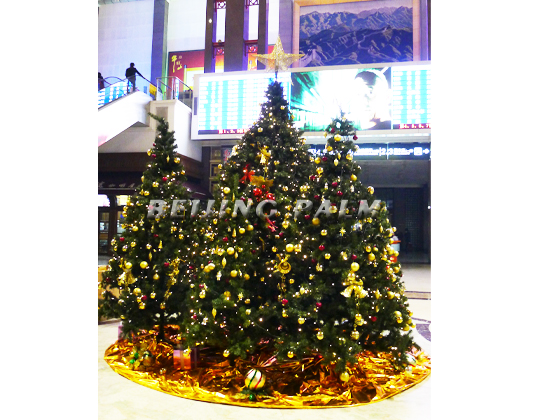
(279, 59)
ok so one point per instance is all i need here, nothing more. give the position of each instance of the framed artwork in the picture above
(345, 32)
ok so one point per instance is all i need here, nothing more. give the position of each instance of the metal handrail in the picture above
(120, 88)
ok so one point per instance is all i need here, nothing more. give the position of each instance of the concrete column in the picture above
(210, 37)
(236, 31)
(158, 65)
(286, 24)
(262, 44)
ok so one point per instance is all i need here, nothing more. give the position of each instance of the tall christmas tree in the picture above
(152, 256)
(350, 298)
(234, 301)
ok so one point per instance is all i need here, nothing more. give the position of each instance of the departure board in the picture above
(411, 97)
(228, 104)
(231, 104)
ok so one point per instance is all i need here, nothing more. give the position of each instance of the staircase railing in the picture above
(114, 88)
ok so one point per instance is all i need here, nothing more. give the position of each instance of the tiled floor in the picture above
(121, 399)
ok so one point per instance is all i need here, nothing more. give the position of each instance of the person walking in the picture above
(131, 75)
(100, 81)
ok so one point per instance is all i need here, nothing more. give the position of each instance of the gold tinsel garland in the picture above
(302, 383)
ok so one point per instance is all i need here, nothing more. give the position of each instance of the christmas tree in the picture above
(234, 302)
(349, 297)
(152, 256)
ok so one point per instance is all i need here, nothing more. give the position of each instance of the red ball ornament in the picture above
(373, 318)
(153, 155)
(318, 304)
(253, 251)
(164, 178)
(143, 298)
(122, 239)
(353, 257)
(321, 247)
(281, 234)
(324, 158)
(317, 197)
(284, 301)
(339, 193)
(307, 217)
(355, 137)
(194, 316)
(334, 184)
(313, 177)
(257, 192)
(313, 261)
(270, 196)
(333, 130)
(166, 264)
(225, 239)
(155, 235)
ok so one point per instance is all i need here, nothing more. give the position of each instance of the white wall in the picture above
(186, 27)
(125, 36)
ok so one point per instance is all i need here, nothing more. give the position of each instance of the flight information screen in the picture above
(411, 97)
(393, 97)
(231, 104)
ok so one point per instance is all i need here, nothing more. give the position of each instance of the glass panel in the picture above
(103, 201)
(119, 222)
(103, 232)
(122, 200)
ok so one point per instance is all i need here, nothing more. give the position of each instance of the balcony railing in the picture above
(172, 87)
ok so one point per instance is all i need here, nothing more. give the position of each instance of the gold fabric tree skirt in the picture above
(295, 384)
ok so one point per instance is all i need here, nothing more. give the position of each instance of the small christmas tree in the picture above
(152, 256)
(350, 298)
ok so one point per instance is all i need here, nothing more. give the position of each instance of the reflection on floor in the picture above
(121, 399)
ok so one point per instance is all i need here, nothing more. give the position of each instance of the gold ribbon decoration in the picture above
(353, 287)
(260, 180)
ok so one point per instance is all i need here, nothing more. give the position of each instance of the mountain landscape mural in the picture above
(371, 36)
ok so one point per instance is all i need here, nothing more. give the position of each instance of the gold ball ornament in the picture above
(144, 264)
(242, 230)
(128, 265)
(337, 137)
(320, 335)
(371, 256)
(324, 232)
(226, 190)
(290, 355)
(301, 320)
(355, 335)
(260, 129)
(246, 276)
(230, 250)
(156, 276)
(327, 256)
(344, 376)
(289, 247)
(226, 353)
(162, 305)
(234, 273)
(316, 221)
(317, 160)
(358, 319)
(354, 177)
(355, 266)
(136, 291)
(249, 227)
(370, 190)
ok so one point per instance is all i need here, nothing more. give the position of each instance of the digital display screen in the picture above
(231, 104)
(411, 97)
(393, 97)
(384, 151)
